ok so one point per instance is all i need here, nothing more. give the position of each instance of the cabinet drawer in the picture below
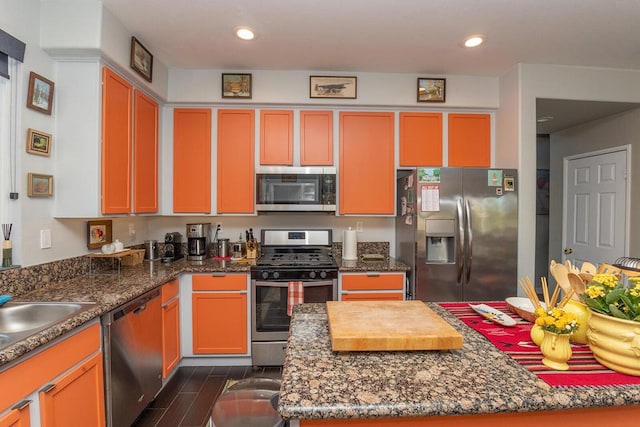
(222, 282)
(169, 290)
(367, 282)
(45, 365)
(373, 296)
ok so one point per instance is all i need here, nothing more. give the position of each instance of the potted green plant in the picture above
(614, 325)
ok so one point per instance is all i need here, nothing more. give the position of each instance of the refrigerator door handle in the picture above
(460, 246)
(469, 260)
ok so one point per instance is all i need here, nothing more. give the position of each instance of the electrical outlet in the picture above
(359, 227)
(132, 229)
(219, 227)
(45, 239)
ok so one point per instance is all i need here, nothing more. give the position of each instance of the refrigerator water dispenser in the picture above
(440, 242)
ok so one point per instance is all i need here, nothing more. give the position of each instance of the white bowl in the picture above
(523, 307)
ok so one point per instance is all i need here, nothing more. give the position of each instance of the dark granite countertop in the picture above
(111, 290)
(108, 291)
(386, 265)
(318, 383)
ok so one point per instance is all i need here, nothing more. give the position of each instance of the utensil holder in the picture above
(6, 253)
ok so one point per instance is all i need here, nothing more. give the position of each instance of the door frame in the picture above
(627, 214)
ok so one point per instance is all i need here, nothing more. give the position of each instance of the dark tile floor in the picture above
(188, 398)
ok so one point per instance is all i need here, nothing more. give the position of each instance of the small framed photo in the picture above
(141, 59)
(98, 233)
(509, 183)
(40, 94)
(38, 143)
(39, 185)
(431, 90)
(344, 87)
(236, 86)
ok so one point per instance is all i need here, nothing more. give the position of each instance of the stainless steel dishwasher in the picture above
(133, 358)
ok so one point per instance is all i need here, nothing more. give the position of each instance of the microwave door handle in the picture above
(460, 246)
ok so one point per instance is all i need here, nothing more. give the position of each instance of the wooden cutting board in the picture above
(388, 326)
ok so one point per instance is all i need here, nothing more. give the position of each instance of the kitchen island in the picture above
(476, 385)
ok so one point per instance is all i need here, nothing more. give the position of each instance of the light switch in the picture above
(45, 239)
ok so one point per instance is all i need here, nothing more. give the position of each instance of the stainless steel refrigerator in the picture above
(458, 230)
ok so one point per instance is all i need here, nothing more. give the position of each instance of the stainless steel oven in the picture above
(287, 256)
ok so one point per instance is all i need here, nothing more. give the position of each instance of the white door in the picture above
(595, 207)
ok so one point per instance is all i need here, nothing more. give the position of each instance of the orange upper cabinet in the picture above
(236, 148)
(145, 154)
(366, 163)
(276, 137)
(116, 143)
(192, 160)
(470, 140)
(316, 138)
(420, 139)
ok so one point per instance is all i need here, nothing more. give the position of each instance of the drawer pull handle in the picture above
(21, 405)
(218, 274)
(373, 274)
(48, 388)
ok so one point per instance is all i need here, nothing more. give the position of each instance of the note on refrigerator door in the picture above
(430, 198)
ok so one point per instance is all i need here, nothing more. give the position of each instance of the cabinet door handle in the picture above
(219, 274)
(21, 405)
(48, 388)
(369, 274)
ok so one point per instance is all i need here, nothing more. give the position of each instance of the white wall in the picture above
(556, 82)
(614, 131)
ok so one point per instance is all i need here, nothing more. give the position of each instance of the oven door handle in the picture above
(286, 284)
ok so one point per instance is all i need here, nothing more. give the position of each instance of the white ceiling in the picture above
(408, 36)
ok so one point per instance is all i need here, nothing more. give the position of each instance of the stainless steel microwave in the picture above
(301, 189)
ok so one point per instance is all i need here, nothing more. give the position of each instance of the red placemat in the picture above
(516, 342)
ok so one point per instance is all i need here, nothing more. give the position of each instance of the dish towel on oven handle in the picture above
(296, 295)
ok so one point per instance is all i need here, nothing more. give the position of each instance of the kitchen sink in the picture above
(19, 320)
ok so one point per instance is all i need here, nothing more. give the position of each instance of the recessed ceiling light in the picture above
(473, 41)
(544, 119)
(245, 33)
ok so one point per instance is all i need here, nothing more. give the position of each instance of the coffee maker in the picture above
(172, 247)
(197, 241)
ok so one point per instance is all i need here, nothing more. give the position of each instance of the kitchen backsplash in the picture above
(20, 280)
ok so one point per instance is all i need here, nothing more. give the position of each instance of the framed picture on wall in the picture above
(344, 87)
(98, 233)
(38, 143)
(40, 94)
(141, 59)
(236, 86)
(431, 89)
(39, 185)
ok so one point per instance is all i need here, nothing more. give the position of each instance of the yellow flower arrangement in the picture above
(606, 294)
(556, 320)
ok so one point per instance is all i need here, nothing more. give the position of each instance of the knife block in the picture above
(252, 249)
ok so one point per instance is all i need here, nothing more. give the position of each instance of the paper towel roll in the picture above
(349, 244)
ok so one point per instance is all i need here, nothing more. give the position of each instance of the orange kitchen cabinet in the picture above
(116, 143)
(76, 399)
(170, 327)
(145, 154)
(373, 296)
(34, 371)
(276, 137)
(219, 322)
(366, 171)
(420, 139)
(18, 417)
(372, 286)
(219, 282)
(469, 140)
(236, 148)
(316, 138)
(192, 160)
(372, 281)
